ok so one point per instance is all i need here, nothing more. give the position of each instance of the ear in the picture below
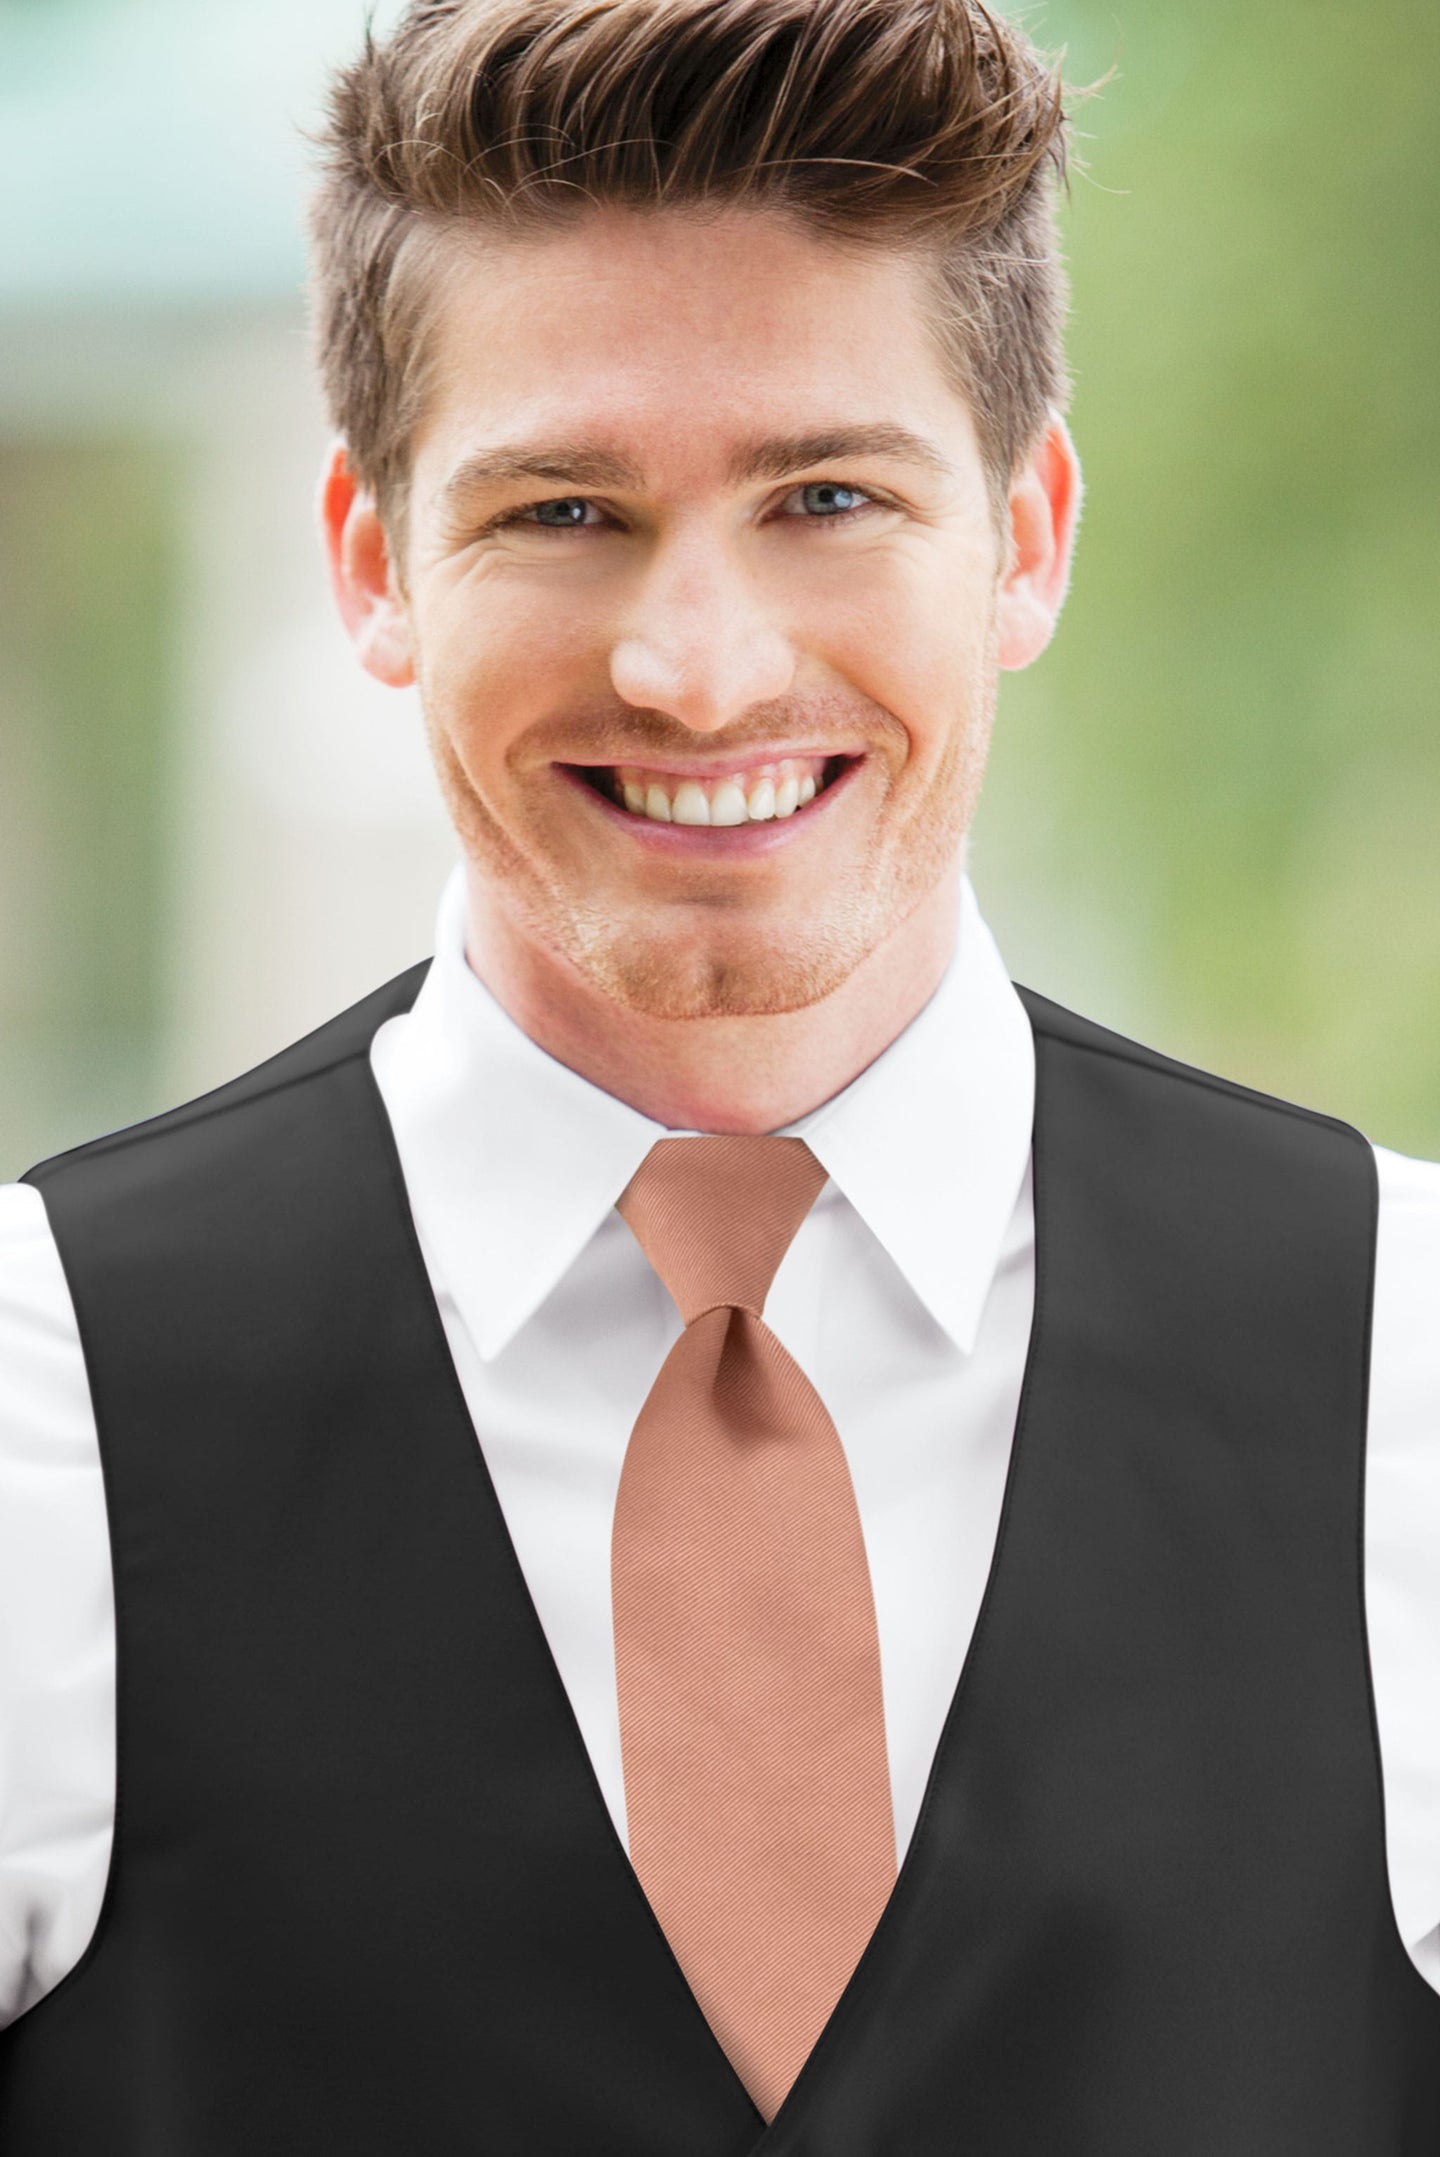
(1044, 511)
(362, 577)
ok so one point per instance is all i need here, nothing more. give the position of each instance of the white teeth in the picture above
(728, 805)
(774, 790)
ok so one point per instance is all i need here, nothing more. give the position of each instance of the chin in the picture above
(759, 975)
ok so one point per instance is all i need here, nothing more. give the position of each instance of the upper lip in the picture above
(712, 767)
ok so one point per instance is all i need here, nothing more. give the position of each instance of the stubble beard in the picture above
(742, 970)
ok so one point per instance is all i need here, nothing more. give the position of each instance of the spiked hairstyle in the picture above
(927, 125)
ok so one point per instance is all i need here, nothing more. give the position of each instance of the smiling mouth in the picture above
(752, 793)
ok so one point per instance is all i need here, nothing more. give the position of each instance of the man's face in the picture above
(700, 590)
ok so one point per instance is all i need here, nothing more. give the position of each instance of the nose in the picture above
(699, 642)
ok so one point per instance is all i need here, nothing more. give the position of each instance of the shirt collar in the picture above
(931, 1142)
(513, 1161)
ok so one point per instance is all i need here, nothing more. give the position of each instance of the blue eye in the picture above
(829, 498)
(564, 515)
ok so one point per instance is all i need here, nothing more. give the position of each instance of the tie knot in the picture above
(715, 1216)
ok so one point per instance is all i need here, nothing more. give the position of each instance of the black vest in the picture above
(366, 1899)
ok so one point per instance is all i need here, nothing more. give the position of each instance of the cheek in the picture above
(495, 658)
(923, 656)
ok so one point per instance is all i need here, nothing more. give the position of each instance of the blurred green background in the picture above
(1211, 818)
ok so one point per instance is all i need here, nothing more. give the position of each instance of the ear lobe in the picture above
(362, 575)
(1044, 511)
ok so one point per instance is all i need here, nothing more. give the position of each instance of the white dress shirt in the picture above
(906, 1295)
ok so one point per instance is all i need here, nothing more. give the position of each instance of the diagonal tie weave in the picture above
(752, 1727)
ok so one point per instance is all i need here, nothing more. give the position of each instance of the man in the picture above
(727, 1535)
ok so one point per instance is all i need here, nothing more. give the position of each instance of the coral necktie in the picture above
(752, 1727)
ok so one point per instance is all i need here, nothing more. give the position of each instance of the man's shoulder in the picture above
(1410, 1232)
(339, 1040)
(1409, 1181)
(1052, 1023)
(1404, 1189)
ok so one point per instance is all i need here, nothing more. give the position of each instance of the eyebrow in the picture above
(576, 465)
(782, 454)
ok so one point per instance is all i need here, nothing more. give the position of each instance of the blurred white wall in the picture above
(309, 839)
(151, 270)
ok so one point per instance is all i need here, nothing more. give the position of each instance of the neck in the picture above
(721, 1075)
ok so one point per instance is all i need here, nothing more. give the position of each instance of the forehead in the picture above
(676, 327)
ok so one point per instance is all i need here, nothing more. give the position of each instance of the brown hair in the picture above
(927, 124)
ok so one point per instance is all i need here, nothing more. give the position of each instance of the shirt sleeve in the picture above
(57, 1633)
(1402, 1541)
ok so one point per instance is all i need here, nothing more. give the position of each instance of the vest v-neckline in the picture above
(809, 2083)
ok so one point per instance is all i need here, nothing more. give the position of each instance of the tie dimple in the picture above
(747, 1660)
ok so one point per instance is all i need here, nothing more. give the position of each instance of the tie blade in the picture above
(748, 1671)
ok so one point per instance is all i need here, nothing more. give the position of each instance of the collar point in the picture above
(961, 1337)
